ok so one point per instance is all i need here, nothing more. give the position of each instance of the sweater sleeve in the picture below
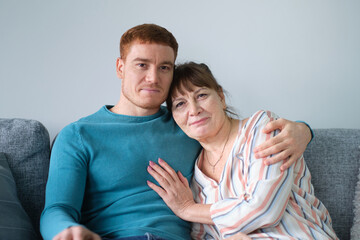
(267, 188)
(66, 183)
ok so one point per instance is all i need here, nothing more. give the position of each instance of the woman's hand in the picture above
(289, 144)
(239, 236)
(174, 190)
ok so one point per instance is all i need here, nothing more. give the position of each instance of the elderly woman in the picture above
(232, 192)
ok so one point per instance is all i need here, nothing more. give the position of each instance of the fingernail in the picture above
(160, 160)
(151, 163)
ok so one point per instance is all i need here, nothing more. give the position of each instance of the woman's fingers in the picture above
(157, 189)
(167, 168)
(183, 179)
(159, 175)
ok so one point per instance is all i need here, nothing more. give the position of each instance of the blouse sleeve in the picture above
(267, 188)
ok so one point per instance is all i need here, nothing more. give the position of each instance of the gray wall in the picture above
(300, 59)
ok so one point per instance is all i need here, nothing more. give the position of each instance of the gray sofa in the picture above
(333, 158)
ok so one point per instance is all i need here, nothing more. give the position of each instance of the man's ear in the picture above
(120, 68)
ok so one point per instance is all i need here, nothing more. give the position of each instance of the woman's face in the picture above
(200, 112)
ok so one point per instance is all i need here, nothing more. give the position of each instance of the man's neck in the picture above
(122, 109)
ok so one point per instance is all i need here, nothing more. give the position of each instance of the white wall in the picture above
(300, 59)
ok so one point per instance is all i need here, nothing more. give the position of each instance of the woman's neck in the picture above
(214, 145)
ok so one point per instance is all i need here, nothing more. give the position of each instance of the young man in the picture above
(97, 178)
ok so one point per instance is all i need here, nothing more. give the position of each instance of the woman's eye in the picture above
(202, 95)
(179, 104)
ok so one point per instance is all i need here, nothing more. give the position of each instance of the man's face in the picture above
(146, 75)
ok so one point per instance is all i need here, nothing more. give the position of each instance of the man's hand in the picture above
(289, 144)
(77, 233)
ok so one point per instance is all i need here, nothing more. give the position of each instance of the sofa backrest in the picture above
(333, 158)
(26, 144)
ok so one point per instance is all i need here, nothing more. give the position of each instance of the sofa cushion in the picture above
(26, 144)
(355, 230)
(333, 159)
(14, 222)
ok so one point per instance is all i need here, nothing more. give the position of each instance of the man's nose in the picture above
(152, 75)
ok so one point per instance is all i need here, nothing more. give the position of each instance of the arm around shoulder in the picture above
(288, 145)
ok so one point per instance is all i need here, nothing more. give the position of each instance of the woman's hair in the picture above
(190, 74)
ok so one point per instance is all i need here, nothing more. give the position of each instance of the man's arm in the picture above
(65, 188)
(289, 144)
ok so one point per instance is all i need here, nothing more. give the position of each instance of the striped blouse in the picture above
(259, 200)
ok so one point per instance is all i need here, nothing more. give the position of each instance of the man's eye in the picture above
(165, 68)
(142, 65)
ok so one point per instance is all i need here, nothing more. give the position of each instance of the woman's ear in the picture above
(222, 97)
(120, 68)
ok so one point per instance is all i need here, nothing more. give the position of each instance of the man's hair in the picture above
(147, 33)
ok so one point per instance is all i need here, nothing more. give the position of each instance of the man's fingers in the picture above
(284, 155)
(268, 144)
(271, 150)
(273, 125)
(291, 160)
(77, 233)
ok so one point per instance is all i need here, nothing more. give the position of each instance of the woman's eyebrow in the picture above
(199, 90)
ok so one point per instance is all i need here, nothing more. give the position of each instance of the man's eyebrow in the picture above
(168, 63)
(141, 60)
(148, 60)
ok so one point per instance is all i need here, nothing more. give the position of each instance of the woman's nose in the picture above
(195, 108)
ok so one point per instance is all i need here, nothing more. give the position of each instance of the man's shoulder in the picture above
(92, 118)
(96, 116)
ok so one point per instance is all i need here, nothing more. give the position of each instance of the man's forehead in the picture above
(151, 50)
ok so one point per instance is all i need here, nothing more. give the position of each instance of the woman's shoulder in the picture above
(259, 118)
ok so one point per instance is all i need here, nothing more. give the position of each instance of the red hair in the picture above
(147, 33)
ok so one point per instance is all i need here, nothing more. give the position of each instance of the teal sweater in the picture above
(98, 175)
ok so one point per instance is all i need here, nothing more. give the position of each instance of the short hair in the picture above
(147, 33)
(190, 74)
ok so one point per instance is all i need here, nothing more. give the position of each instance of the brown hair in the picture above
(147, 33)
(190, 74)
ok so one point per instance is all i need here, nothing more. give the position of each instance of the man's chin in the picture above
(151, 103)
